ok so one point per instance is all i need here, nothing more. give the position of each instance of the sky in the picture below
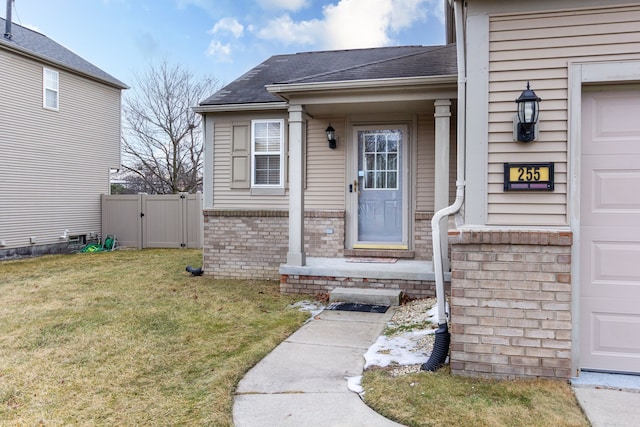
(223, 39)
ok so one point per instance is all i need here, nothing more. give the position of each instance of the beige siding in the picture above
(425, 170)
(539, 47)
(54, 164)
(325, 168)
(225, 196)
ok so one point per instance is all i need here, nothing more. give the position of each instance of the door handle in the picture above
(355, 186)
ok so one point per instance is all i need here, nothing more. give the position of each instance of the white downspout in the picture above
(460, 173)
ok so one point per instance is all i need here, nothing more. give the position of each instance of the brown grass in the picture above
(129, 338)
(439, 399)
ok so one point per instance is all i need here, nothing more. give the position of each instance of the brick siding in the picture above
(251, 244)
(511, 304)
(422, 243)
(312, 285)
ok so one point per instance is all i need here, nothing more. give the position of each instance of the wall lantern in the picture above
(525, 129)
(331, 136)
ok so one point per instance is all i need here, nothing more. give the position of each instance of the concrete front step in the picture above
(366, 296)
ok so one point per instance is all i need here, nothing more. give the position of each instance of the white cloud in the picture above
(292, 5)
(222, 52)
(352, 23)
(286, 31)
(358, 23)
(228, 25)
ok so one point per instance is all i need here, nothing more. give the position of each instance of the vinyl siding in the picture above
(538, 47)
(325, 168)
(54, 164)
(224, 196)
(325, 179)
(425, 171)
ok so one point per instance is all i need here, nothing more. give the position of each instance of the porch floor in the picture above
(402, 269)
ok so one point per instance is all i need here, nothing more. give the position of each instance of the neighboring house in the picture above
(280, 203)
(543, 282)
(60, 137)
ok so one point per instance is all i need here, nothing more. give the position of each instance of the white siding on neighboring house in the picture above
(54, 164)
(539, 47)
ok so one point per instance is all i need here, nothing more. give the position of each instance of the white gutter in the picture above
(258, 106)
(366, 84)
(460, 174)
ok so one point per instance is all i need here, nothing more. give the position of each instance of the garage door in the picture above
(610, 230)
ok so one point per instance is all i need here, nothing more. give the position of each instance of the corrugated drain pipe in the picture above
(443, 337)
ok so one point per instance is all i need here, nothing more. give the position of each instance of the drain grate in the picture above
(354, 306)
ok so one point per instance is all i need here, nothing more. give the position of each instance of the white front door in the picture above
(379, 184)
(610, 231)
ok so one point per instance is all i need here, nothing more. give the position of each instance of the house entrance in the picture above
(381, 199)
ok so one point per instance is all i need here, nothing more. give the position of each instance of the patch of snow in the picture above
(312, 307)
(401, 349)
(433, 314)
(355, 384)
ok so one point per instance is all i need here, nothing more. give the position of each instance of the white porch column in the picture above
(297, 123)
(441, 196)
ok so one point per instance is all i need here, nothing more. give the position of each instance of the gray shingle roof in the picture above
(334, 66)
(33, 43)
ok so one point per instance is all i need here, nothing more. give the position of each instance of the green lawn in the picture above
(130, 338)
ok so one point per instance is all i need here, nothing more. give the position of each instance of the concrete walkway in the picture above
(609, 400)
(303, 381)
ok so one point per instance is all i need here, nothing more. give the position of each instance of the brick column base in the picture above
(511, 304)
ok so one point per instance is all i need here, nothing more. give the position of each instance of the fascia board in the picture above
(222, 108)
(370, 84)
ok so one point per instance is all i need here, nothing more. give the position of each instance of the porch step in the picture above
(366, 296)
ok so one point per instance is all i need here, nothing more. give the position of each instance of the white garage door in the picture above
(610, 230)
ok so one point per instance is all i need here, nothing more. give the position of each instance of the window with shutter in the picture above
(267, 152)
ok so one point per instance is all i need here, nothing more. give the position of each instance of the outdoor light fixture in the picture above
(527, 117)
(331, 136)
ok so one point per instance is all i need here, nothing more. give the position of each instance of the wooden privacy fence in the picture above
(154, 221)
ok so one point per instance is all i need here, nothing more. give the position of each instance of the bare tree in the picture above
(162, 141)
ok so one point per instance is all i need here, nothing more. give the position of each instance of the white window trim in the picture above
(45, 88)
(280, 153)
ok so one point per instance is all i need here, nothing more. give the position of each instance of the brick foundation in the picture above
(511, 304)
(423, 246)
(251, 244)
(311, 285)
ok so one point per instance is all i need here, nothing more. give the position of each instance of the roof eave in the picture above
(257, 106)
(45, 59)
(377, 84)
